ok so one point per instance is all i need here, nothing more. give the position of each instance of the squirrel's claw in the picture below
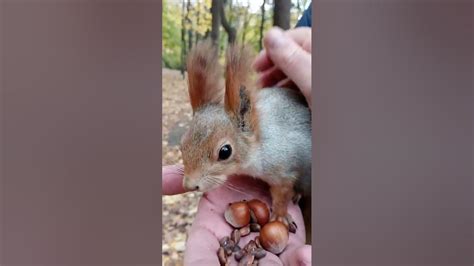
(287, 220)
(296, 198)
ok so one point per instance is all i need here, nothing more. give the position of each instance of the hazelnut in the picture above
(260, 210)
(253, 219)
(274, 237)
(237, 214)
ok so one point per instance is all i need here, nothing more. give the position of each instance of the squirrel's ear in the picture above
(204, 75)
(239, 96)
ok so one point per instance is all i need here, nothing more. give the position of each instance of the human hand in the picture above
(209, 225)
(286, 60)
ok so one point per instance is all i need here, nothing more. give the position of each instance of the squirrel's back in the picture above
(285, 136)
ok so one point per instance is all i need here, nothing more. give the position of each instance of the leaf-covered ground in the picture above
(178, 210)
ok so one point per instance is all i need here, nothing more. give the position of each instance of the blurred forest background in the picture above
(185, 22)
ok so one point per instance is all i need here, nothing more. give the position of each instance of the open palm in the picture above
(209, 225)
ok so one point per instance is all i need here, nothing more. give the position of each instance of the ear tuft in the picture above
(204, 75)
(239, 99)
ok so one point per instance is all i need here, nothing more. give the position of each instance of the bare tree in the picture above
(183, 40)
(246, 22)
(231, 32)
(216, 21)
(190, 23)
(198, 15)
(281, 14)
(262, 23)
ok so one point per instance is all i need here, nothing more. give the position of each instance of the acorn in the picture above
(260, 210)
(274, 237)
(237, 214)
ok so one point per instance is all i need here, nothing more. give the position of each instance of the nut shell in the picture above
(222, 256)
(238, 255)
(259, 253)
(224, 241)
(235, 236)
(247, 260)
(245, 231)
(274, 237)
(237, 214)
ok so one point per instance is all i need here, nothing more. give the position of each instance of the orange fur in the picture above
(204, 75)
(238, 75)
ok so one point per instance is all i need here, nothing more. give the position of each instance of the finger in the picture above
(201, 248)
(299, 256)
(262, 62)
(270, 77)
(172, 180)
(287, 83)
(296, 239)
(287, 55)
(300, 36)
(208, 227)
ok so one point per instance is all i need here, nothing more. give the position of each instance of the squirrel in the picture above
(264, 133)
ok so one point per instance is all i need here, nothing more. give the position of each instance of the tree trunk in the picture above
(198, 14)
(183, 41)
(190, 23)
(231, 32)
(281, 14)
(246, 23)
(262, 24)
(216, 20)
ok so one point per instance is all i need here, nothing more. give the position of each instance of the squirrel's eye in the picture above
(225, 152)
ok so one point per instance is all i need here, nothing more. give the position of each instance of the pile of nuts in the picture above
(252, 216)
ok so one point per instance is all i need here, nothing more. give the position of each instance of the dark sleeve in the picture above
(305, 20)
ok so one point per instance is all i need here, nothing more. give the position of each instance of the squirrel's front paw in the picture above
(286, 219)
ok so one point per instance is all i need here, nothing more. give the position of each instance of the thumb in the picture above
(291, 58)
(172, 180)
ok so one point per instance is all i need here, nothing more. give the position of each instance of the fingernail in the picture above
(275, 38)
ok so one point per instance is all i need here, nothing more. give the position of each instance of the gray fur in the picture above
(285, 137)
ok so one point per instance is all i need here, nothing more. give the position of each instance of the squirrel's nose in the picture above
(189, 185)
